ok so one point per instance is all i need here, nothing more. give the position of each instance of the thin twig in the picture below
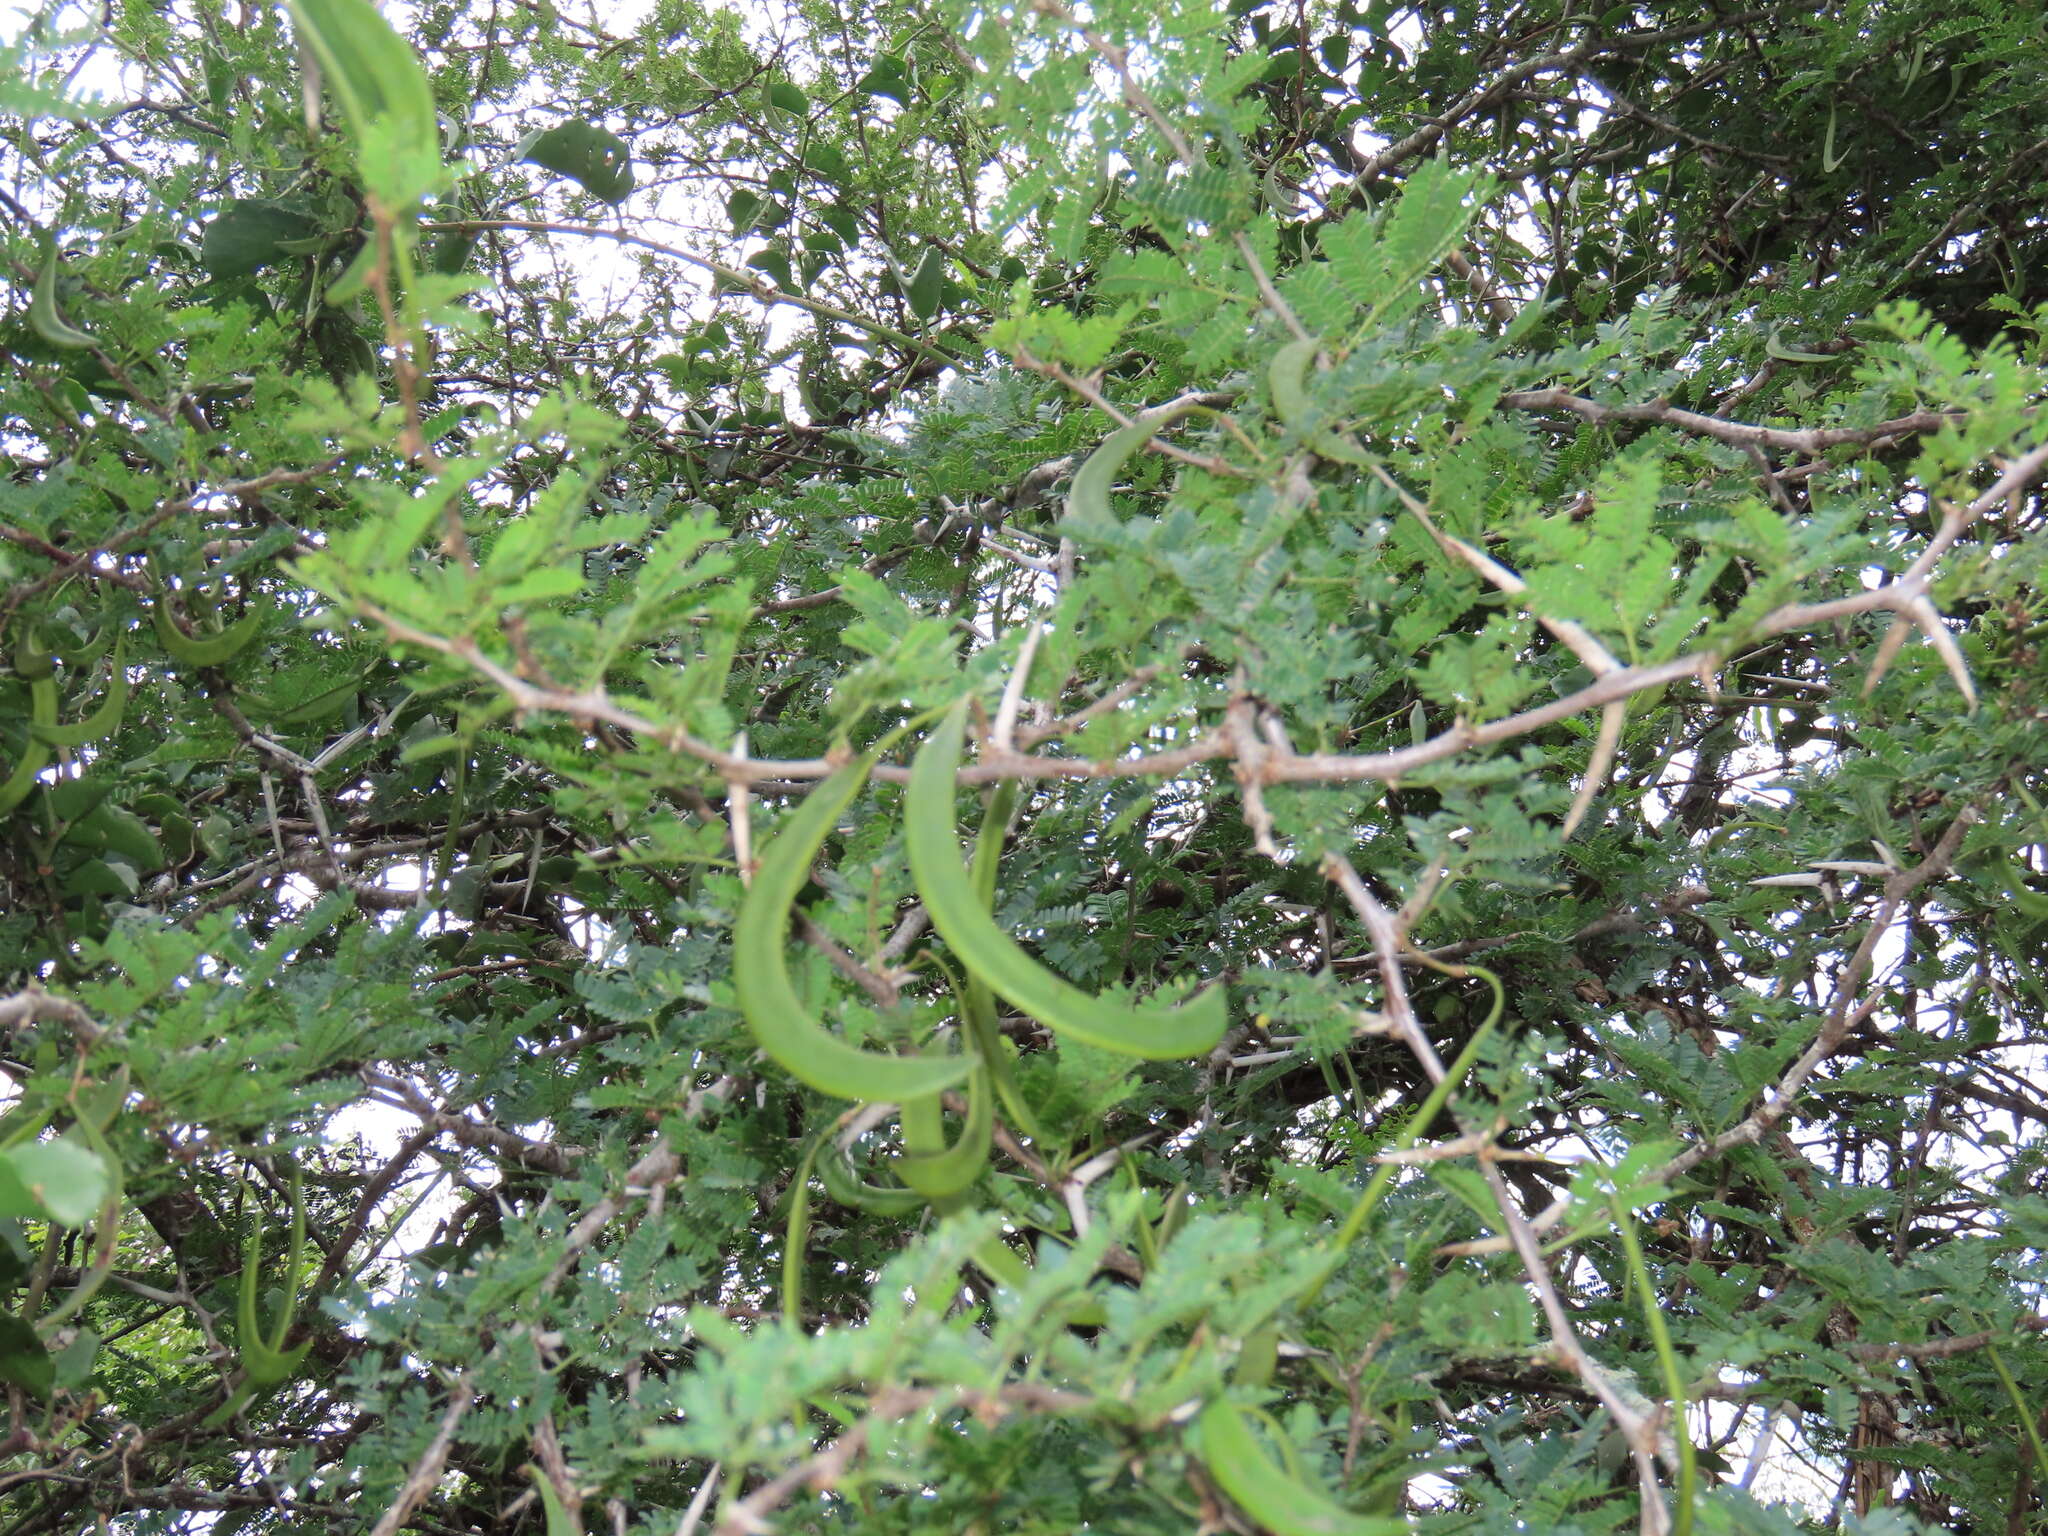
(427, 1470)
(1636, 1422)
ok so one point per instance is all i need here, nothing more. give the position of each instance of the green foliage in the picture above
(1479, 574)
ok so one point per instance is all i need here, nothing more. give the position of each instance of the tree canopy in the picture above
(899, 766)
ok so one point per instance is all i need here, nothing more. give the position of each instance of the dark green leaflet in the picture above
(597, 160)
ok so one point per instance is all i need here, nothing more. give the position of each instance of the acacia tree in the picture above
(933, 768)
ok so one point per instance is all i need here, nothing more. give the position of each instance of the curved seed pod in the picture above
(212, 650)
(1341, 448)
(555, 1514)
(790, 1035)
(928, 1165)
(30, 661)
(103, 721)
(42, 701)
(556, 1520)
(1258, 1357)
(1773, 347)
(988, 842)
(1417, 1126)
(1153, 1033)
(927, 284)
(978, 1003)
(999, 1261)
(1830, 162)
(450, 253)
(836, 1172)
(266, 1363)
(104, 1104)
(35, 755)
(1258, 1486)
(383, 91)
(1287, 381)
(796, 1233)
(42, 309)
(979, 1010)
(1955, 84)
(1912, 70)
(92, 650)
(355, 277)
(110, 828)
(1088, 496)
(978, 1015)
(1667, 1358)
(286, 707)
